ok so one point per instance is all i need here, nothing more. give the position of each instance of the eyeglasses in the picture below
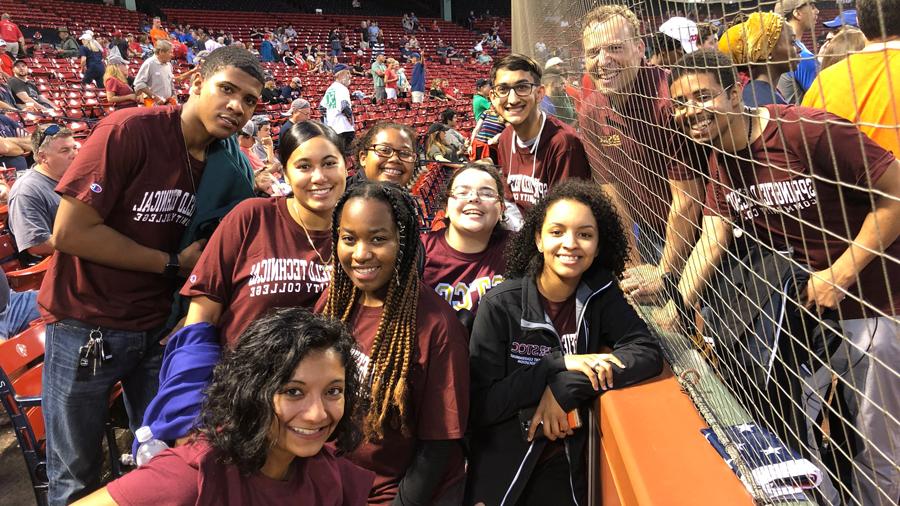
(385, 151)
(522, 89)
(46, 133)
(702, 100)
(485, 194)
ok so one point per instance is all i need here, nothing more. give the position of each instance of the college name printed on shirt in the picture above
(526, 188)
(461, 295)
(165, 206)
(774, 197)
(527, 353)
(287, 275)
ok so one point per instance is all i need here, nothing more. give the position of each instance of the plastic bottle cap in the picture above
(144, 434)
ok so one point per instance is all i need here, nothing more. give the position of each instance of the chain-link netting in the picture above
(752, 147)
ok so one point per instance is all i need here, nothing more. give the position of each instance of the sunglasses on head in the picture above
(46, 133)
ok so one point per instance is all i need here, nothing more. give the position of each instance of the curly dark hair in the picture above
(239, 406)
(394, 343)
(361, 144)
(522, 255)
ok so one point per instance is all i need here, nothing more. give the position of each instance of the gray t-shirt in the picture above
(32, 209)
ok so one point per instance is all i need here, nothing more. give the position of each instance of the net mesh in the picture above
(782, 253)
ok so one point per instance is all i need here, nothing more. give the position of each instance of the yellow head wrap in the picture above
(754, 39)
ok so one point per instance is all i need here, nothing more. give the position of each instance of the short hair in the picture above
(878, 19)
(290, 139)
(232, 56)
(447, 115)
(603, 13)
(238, 410)
(518, 62)
(162, 45)
(38, 139)
(706, 61)
(848, 39)
(483, 167)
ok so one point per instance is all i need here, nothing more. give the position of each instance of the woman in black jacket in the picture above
(537, 351)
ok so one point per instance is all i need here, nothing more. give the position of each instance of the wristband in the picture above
(172, 267)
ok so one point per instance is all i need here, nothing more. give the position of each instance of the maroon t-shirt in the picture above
(791, 180)
(560, 155)
(637, 147)
(259, 258)
(133, 170)
(117, 88)
(463, 278)
(438, 399)
(191, 475)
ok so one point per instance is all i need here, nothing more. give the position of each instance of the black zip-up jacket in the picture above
(515, 353)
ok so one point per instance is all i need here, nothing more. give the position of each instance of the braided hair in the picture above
(392, 348)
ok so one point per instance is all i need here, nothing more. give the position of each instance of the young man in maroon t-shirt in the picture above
(535, 151)
(127, 200)
(807, 180)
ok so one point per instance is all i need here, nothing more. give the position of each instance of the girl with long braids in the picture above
(273, 252)
(414, 357)
(466, 259)
(537, 356)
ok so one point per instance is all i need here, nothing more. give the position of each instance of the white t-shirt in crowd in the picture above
(333, 102)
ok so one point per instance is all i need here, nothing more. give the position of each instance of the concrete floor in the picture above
(13, 473)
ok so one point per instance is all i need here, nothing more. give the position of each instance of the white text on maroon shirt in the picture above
(526, 188)
(287, 275)
(774, 197)
(165, 206)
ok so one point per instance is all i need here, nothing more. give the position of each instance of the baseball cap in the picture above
(295, 80)
(846, 18)
(2, 42)
(340, 67)
(482, 82)
(683, 30)
(18, 61)
(260, 120)
(250, 128)
(298, 104)
(785, 7)
(437, 127)
(86, 35)
(116, 60)
(62, 29)
(552, 62)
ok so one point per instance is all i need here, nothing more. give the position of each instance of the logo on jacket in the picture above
(96, 188)
(527, 353)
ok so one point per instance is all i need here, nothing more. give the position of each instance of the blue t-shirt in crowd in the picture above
(759, 93)
(807, 69)
(94, 58)
(11, 128)
(417, 82)
(266, 51)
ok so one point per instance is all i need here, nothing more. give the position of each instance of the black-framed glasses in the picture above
(485, 194)
(386, 151)
(703, 100)
(521, 89)
(46, 133)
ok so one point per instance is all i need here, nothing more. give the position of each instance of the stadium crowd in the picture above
(265, 294)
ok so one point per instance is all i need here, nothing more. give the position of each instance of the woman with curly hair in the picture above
(289, 386)
(414, 357)
(539, 350)
(387, 152)
(273, 252)
(465, 260)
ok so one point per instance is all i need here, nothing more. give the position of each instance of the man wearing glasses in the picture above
(636, 155)
(807, 180)
(535, 151)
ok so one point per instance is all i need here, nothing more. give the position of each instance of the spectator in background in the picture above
(91, 60)
(15, 143)
(455, 140)
(480, 100)
(801, 15)
(154, 80)
(271, 94)
(708, 35)
(378, 45)
(436, 90)
(25, 91)
(115, 82)
(437, 146)
(157, 32)
(417, 81)
(391, 78)
(265, 145)
(10, 32)
(337, 106)
(266, 49)
(33, 201)
(298, 113)
(486, 134)
(406, 23)
(6, 61)
(292, 90)
(179, 49)
(118, 41)
(847, 40)
(556, 101)
(378, 73)
(865, 87)
(762, 47)
(17, 310)
(68, 46)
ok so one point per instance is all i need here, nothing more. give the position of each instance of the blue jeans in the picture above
(21, 310)
(75, 410)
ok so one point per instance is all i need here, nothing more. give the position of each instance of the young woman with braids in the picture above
(414, 357)
(538, 350)
(466, 259)
(273, 252)
(288, 386)
(387, 152)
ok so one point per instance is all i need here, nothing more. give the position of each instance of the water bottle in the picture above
(149, 446)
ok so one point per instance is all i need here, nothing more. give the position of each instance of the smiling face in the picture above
(514, 109)
(709, 110)
(568, 240)
(612, 54)
(368, 245)
(390, 169)
(308, 407)
(474, 213)
(317, 175)
(225, 100)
